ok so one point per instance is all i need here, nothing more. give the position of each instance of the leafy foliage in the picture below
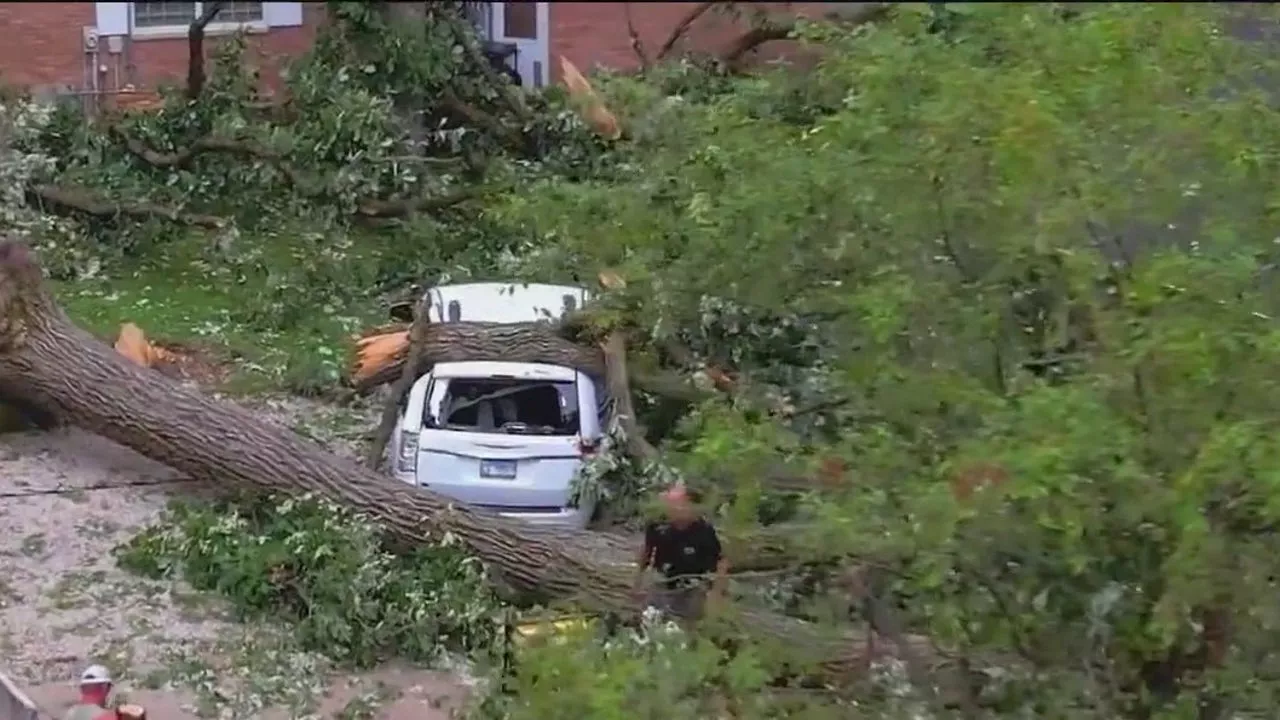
(328, 572)
(297, 263)
(1014, 193)
(655, 671)
(313, 163)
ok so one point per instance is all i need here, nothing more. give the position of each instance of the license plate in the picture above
(498, 469)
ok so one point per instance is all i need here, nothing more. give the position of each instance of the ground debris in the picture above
(69, 498)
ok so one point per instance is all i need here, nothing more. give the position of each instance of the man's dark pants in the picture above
(685, 601)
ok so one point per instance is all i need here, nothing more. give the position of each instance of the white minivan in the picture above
(505, 436)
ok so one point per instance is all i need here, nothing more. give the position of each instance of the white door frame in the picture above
(533, 57)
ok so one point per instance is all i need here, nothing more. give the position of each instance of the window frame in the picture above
(213, 28)
(439, 390)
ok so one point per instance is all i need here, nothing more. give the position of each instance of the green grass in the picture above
(228, 311)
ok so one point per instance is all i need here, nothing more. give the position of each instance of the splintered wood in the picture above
(594, 111)
(133, 344)
(376, 353)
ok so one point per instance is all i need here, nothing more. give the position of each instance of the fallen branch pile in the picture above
(64, 200)
(767, 26)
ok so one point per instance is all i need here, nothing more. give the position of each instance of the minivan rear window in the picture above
(504, 406)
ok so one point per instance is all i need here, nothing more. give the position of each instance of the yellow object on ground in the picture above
(531, 630)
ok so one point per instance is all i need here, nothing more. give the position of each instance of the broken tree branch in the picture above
(409, 206)
(681, 29)
(400, 390)
(79, 200)
(510, 137)
(684, 357)
(195, 49)
(770, 30)
(637, 46)
(245, 149)
(302, 183)
(614, 349)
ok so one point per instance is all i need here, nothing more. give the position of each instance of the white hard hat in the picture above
(95, 675)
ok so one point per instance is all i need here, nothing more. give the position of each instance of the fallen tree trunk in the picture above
(48, 362)
(774, 547)
(514, 342)
(549, 345)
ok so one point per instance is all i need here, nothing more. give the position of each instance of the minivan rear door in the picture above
(505, 471)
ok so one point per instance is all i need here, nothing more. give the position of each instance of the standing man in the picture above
(95, 686)
(686, 551)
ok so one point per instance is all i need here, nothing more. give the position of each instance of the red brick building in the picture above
(98, 48)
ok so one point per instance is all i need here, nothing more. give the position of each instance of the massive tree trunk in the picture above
(48, 362)
(538, 342)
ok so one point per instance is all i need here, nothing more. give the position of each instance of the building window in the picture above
(520, 20)
(481, 15)
(168, 16)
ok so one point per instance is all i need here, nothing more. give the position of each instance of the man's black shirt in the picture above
(677, 553)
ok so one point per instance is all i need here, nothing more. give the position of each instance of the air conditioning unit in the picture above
(90, 39)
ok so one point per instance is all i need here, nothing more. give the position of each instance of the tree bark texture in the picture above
(48, 362)
(536, 342)
(522, 342)
(614, 350)
(195, 49)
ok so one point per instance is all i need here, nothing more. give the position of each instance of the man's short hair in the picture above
(676, 492)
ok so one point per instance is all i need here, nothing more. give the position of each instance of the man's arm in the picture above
(720, 581)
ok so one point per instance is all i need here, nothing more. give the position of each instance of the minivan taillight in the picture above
(588, 446)
(407, 462)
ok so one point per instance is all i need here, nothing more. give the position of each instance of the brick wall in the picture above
(44, 42)
(160, 60)
(44, 48)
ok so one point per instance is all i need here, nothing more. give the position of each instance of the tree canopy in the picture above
(1029, 255)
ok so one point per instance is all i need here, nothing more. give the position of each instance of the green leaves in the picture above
(1038, 240)
(325, 570)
